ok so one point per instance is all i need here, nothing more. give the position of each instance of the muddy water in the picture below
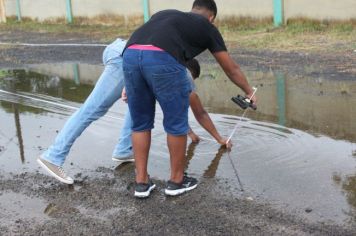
(297, 151)
(15, 205)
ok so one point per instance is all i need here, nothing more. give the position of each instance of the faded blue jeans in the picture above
(105, 93)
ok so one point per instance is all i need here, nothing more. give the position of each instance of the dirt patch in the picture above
(334, 65)
(105, 206)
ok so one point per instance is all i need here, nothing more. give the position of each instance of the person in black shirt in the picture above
(154, 66)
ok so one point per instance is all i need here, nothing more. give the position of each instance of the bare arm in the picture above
(124, 95)
(232, 70)
(195, 138)
(204, 119)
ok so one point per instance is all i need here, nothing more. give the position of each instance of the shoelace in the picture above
(186, 177)
(61, 171)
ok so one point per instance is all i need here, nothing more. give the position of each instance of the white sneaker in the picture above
(123, 159)
(56, 171)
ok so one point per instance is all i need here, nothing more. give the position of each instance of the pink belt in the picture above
(145, 47)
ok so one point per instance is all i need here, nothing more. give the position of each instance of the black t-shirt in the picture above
(181, 34)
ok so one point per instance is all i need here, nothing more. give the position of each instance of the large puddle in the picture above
(298, 150)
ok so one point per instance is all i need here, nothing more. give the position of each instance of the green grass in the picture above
(307, 25)
(100, 32)
(299, 34)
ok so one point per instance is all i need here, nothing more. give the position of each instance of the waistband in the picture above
(145, 47)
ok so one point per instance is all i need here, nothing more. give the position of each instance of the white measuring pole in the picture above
(243, 115)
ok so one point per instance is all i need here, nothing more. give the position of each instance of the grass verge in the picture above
(297, 35)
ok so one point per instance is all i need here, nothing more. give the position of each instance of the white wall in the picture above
(320, 9)
(38, 9)
(255, 8)
(91, 8)
(317, 9)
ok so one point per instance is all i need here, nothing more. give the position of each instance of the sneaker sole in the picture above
(179, 191)
(145, 194)
(53, 174)
(123, 160)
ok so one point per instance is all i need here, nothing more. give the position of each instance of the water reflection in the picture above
(14, 83)
(210, 172)
(281, 151)
(313, 104)
(190, 153)
(29, 82)
(16, 207)
(18, 132)
(281, 98)
(316, 105)
(348, 185)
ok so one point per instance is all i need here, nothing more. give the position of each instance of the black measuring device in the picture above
(244, 102)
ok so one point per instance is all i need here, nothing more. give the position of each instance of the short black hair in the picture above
(194, 67)
(208, 4)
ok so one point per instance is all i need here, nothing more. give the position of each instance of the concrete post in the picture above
(18, 10)
(2, 12)
(146, 10)
(69, 11)
(278, 12)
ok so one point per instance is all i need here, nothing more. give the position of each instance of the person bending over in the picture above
(154, 62)
(106, 92)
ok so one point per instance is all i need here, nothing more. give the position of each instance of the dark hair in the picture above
(208, 4)
(194, 67)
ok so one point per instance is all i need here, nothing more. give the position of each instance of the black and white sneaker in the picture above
(143, 190)
(174, 189)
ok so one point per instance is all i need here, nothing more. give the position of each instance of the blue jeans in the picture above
(106, 92)
(151, 75)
